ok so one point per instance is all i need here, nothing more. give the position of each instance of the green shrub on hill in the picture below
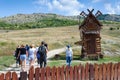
(52, 22)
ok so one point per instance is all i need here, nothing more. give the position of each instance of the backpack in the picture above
(42, 51)
(38, 55)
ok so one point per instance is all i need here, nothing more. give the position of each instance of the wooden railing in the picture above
(109, 71)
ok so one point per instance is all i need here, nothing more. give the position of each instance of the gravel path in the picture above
(14, 68)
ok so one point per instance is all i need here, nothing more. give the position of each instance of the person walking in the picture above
(16, 55)
(43, 54)
(69, 55)
(22, 53)
(31, 54)
(37, 55)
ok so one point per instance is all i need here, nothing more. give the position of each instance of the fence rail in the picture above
(109, 71)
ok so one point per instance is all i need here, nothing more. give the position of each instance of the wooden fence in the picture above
(110, 71)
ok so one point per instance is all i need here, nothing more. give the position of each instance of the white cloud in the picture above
(113, 9)
(109, 8)
(69, 7)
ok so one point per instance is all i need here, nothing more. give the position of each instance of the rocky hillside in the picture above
(24, 18)
(108, 17)
(40, 20)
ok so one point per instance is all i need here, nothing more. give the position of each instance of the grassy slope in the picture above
(56, 37)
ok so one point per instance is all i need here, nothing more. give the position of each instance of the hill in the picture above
(36, 20)
(40, 20)
(110, 17)
(25, 18)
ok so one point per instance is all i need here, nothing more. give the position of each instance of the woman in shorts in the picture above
(22, 54)
(31, 54)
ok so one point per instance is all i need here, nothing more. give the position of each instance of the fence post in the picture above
(71, 73)
(119, 71)
(112, 71)
(115, 71)
(62, 73)
(91, 72)
(75, 73)
(54, 73)
(108, 71)
(82, 72)
(104, 71)
(31, 73)
(58, 75)
(96, 72)
(23, 76)
(37, 73)
(87, 71)
(48, 73)
(42, 77)
(100, 72)
(2, 76)
(8, 76)
(67, 73)
(79, 72)
(14, 76)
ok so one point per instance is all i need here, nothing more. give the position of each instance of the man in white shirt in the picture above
(69, 55)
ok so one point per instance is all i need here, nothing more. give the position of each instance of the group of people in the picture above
(22, 53)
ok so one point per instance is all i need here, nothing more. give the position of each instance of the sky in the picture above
(61, 7)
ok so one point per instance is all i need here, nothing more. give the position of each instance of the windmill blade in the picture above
(83, 14)
(98, 13)
(90, 11)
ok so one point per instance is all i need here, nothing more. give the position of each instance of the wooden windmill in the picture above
(90, 34)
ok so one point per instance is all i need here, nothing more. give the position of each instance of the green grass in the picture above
(59, 63)
(6, 61)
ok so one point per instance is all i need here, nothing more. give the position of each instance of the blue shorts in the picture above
(31, 57)
(22, 57)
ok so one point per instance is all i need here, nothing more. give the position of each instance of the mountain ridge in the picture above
(23, 18)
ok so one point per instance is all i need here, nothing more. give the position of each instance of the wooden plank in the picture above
(42, 75)
(37, 73)
(58, 75)
(67, 73)
(91, 76)
(115, 71)
(75, 73)
(87, 71)
(23, 75)
(79, 72)
(104, 71)
(48, 73)
(100, 72)
(62, 73)
(82, 72)
(96, 72)
(14, 76)
(53, 73)
(112, 71)
(8, 76)
(108, 71)
(31, 73)
(71, 73)
(2, 76)
(119, 71)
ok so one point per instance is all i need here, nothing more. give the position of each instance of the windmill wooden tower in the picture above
(90, 34)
